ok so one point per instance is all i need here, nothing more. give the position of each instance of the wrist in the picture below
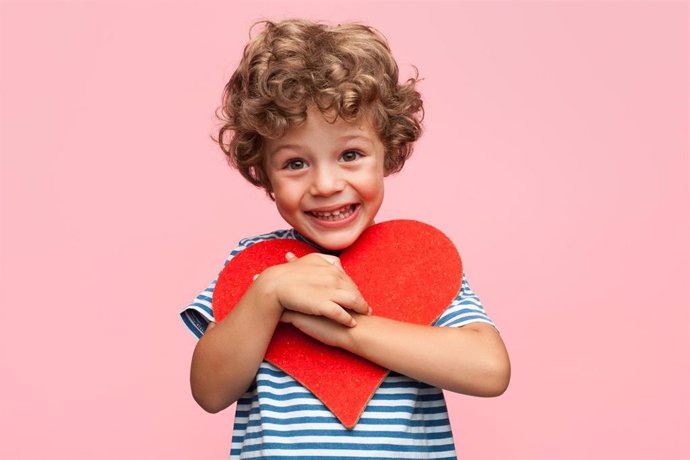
(354, 337)
(265, 291)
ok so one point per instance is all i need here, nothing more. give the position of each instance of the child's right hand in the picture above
(315, 284)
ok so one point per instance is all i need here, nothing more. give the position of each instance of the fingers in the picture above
(332, 260)
(352, 299)
(328, 310)
(286, 317)
(338, 314)
(317, 285)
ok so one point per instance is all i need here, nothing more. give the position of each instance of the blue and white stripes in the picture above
(278, 418)
(466, 308)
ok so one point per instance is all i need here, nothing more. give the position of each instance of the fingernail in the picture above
(289, 255)
(255, 277)
(370, 311)
(353, 323)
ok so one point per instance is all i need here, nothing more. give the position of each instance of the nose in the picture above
(327, 181)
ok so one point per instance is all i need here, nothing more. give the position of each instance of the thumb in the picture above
(333, 260)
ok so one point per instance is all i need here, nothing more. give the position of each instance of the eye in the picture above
(350, 155)
(295, 164)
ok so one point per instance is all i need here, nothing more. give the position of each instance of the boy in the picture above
(318, 119)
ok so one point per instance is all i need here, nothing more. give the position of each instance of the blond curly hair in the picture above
(345, 70)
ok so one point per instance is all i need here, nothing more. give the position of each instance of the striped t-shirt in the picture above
(278, 418)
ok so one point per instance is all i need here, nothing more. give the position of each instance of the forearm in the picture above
(228, 356)
(470, 360)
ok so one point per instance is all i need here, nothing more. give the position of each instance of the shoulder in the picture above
(246, 242)
(276, 234)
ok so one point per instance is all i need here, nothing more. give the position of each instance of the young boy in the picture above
(318, 119)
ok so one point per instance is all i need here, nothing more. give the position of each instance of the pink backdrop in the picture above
(555, 155)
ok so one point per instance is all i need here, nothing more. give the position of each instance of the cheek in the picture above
(287, 197)
(373, 187)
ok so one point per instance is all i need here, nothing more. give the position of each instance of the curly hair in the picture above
(345, 70)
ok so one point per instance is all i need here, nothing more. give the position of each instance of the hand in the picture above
(322, 329)
(316, 285)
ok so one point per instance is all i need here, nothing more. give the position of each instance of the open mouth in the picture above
(335, 214)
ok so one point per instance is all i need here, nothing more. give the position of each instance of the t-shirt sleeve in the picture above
(466, 308)
(199, 312)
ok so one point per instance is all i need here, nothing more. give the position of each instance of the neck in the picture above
(332, 252)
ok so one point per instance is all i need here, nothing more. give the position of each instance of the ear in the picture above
(255, 174)
(386, 167)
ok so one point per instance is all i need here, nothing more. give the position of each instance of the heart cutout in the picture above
(406, 270)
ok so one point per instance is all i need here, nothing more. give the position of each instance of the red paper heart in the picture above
(406, 270)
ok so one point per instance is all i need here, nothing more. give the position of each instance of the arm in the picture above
(227, 356)
(471, 359)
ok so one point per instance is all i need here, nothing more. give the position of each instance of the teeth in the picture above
(334, 215)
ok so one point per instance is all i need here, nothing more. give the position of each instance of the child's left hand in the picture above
(323, 329)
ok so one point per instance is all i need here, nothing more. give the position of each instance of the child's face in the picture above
(327, 178)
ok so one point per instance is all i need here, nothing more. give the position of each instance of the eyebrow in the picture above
(348, 137)
(284, 146)
(345, 137)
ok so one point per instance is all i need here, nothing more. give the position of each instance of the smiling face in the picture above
(327, 178)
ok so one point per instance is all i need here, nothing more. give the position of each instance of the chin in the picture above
(335, 243)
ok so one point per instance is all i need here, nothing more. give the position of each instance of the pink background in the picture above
(555, 156)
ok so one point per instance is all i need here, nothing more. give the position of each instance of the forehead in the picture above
(322, 129)
(330, 122)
